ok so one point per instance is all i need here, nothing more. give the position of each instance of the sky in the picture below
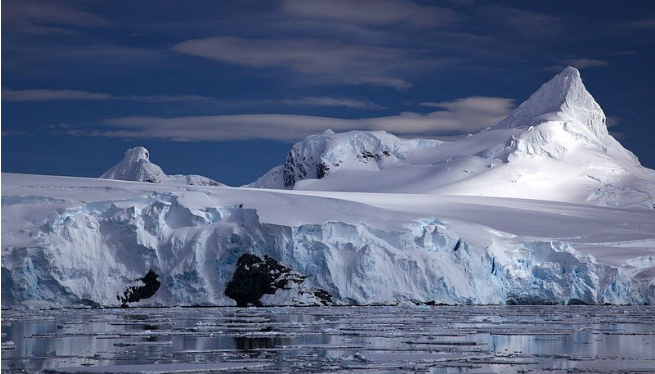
(224, 88)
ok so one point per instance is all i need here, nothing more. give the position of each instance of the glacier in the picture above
(545, 207)
(71, 241)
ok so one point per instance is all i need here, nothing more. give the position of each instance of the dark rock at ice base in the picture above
(134, 294)
(255, 277)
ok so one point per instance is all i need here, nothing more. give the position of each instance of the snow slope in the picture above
(136, 166)
(554, 146)
(74, 240)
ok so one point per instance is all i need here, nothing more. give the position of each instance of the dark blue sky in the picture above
(223, 88)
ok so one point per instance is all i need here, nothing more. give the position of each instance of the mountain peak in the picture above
(136, 154)
(136, 166)
(564, 97)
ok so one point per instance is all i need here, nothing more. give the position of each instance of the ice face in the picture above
(78, 241)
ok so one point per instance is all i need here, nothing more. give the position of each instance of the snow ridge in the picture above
(136, 167)
(318, 156)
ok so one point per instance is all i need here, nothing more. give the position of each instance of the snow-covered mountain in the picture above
(136, 166)
(544, 207)
(554, 146)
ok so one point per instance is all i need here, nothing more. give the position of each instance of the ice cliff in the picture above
(77, 241)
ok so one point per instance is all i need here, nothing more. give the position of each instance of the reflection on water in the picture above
(333, 339)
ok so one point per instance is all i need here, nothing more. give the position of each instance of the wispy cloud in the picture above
(39, 95)
(521, 22)
(484, 105)
(333, 102)
(346, 63)
(15, 133)
(395, 83)
(47, 17)
(583, 63)
(459, 116)
(642, 23)
(372, 12)
(580, 63)
(51, 95)
(613, 121)
(76, 95)
(625, 53)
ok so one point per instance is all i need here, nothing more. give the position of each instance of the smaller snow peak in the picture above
(136, 167)
(137, 154)
(328, 132)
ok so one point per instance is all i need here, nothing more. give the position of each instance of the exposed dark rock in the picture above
(255, 277)
(323, 296)
(434, 303)
(322, 169)
(517, 300)
(211, 183)
(459, 243)
(90, 303)
(368, 155)
(293, 169)
(576, 302)
(135, 293)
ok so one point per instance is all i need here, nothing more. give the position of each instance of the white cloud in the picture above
(613, 121)
(461, 115)
(77, 95)
(522, 22)
(642, 23)
(371, 12)
(46, 17)
(304, 55)
(327, 60)
(580, 63)
(39, 95)
(51, 95)
(395, 83)
(476, 104)
(15, 133)
(335, 102)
